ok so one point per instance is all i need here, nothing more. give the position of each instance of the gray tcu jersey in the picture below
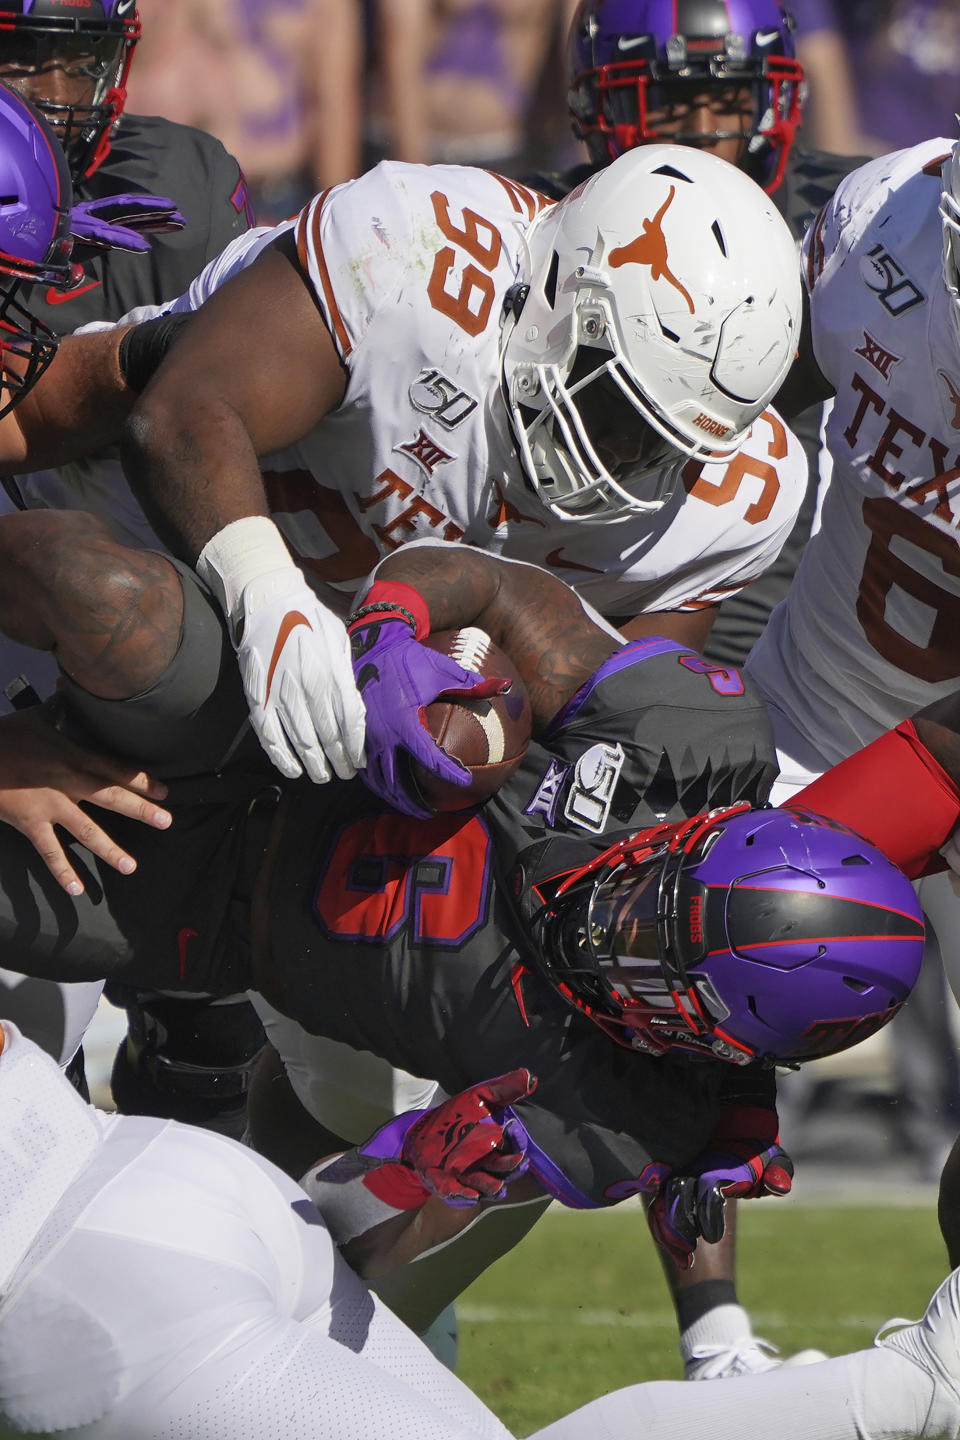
(151, 156)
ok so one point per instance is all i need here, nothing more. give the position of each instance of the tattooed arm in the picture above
(110, 615)
(535, 618)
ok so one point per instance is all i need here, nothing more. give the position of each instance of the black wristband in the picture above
(144, 347)
(386, 610)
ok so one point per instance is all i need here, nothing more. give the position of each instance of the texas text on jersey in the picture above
(868, 633)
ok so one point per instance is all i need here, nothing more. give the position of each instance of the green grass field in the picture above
(580, 1307)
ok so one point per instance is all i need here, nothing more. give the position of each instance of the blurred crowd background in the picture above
(307, 93)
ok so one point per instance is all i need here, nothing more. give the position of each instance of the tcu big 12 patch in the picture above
(593, 787)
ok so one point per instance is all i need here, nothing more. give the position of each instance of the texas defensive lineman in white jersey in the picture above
(420, 446)
(870, 630)
(410, 267)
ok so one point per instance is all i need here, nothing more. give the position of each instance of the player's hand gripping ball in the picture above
(488, 736)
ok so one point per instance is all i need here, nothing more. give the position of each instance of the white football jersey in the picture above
(410, 266)
(47, 1136)
(870, 630)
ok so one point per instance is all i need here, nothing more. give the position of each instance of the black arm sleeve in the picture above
(143, 348)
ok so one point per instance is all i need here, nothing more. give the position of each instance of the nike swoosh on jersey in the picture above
(60, 297)
(289, 623)
(123, 6)
(764, 37)
(557, 562)
(630, 42)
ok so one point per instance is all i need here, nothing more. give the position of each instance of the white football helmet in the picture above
(950, 219)
(662, 315)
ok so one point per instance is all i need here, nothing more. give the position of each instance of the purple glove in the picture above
(114, 222)
(397, 677)
(668, 1212)
(744, 1160)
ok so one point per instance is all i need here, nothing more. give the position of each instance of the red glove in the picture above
(463, 1150)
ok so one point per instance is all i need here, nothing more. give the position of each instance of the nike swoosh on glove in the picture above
(294, 657)
(119, 222)
(398, 677)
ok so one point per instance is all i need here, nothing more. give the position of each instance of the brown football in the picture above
(490, 736)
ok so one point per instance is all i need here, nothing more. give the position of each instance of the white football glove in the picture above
(294, 658)
(294, 654)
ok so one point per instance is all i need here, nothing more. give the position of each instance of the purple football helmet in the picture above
(35, 243)
(93, 41)
(632, 59)
(744, 934)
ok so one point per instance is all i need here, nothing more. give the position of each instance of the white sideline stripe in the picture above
(763, 1321)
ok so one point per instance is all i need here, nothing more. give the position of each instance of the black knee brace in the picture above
(186, 1057)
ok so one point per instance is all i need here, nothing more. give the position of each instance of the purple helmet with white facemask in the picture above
(631, 60)
(89, 40)
(35, 243)
(742, 935)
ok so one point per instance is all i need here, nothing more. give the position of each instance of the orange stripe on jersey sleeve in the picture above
(707, 598)
(304, 238)
(521, 197)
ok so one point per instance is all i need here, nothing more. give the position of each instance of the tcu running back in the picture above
(641, 964)
(717, 76)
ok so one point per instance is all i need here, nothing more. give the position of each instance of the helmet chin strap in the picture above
(666, 1038)
(710, 1045)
